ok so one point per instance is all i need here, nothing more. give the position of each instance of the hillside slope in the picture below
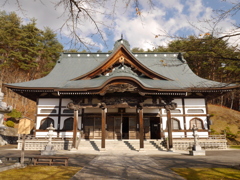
(225, 119)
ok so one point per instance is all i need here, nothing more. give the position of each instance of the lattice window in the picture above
(175, 124)
(45, 123)
(197, 122)
(195, 111)
(68, 124)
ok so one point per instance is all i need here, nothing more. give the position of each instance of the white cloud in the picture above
(171, 16)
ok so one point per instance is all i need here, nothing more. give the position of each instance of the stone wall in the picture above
(9, 136)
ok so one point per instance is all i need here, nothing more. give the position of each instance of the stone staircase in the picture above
(121, 145)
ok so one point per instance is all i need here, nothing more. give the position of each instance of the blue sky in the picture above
(165, 18)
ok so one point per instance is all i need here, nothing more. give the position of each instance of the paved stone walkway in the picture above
(125, 167)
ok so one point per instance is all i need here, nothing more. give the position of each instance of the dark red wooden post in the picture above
(103, 128)
(75, 127)
(169, 124)
(141, 132)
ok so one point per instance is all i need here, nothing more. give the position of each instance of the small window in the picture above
(69, 111)
(174, 111)
(197, 122)
(48, 111)
(195, 111)
(45, 123)
(68, 124)
(175, 124)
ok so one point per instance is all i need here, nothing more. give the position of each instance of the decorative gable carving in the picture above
(127, 60)
(123, 69)
(118, 87)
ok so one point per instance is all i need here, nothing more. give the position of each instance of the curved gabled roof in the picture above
(87, 71)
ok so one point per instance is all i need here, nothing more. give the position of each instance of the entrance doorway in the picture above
(125, 128)
(155, 128)
(121, 127)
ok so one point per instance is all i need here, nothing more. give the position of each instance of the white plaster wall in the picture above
(203, 118)
(164, 122)
(175, 134)
(164, 111)
(40, 118)
(193, 102)
(48, 102)
(79, 111)
(45, 134)
(66, 101)
(39, 110)
(178, 101)
(62, 119)
(67, 134)
(200, 134)
(203, 108)
(180, 118)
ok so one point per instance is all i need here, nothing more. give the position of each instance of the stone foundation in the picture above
(41, 144)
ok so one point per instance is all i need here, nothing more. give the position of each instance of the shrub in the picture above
(15, 114)
(10, 124)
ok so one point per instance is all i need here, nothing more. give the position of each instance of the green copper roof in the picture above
(73, 65)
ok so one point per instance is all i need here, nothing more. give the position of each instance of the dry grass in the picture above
(223, 117)
(40, 173)
(208, 173)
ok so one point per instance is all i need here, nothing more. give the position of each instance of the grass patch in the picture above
(40, 173)
(235, 146)
(208, 173)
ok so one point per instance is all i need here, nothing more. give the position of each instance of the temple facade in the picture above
(121, 95)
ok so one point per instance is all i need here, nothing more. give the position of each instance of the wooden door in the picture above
(89, 127)
(118, 128)
(110, 127)
(146, 126)
(97, 128)
(155, 127)
(132, 128)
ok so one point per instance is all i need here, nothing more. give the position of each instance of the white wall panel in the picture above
(39, 110)
(67, 134)
(62, 119)
(40, 118)
(194, 102)
(48, 102)
(200, 134)
(178, 101)
(203, 118)
(45, 134)
(66, 101)
(180, 118)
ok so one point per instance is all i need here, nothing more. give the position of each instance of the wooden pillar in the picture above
(59, 117)
(141, 130)
(75, 127)
(184, 118)
(103, 128)
(169, 124)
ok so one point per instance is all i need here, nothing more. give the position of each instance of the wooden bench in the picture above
(50, 160)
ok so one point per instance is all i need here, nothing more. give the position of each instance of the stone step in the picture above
(124, 145)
